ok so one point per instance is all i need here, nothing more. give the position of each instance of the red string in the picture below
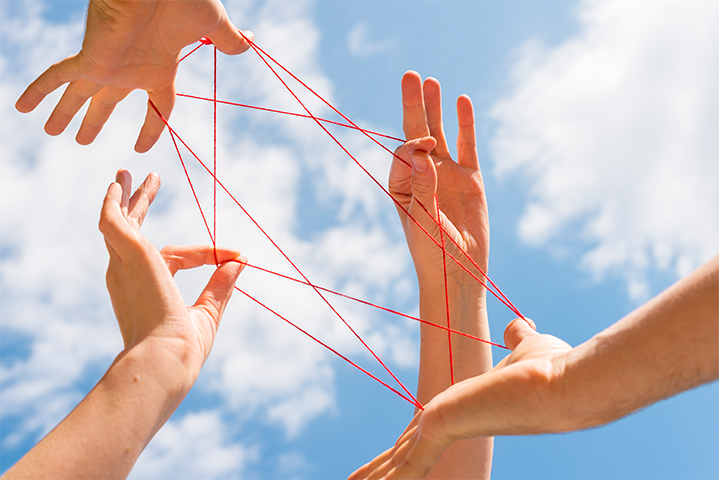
(499, 295)
(277, 247)
(413, 401)
(447, 296)
(365, 302)
(214, 236)
(272, 110)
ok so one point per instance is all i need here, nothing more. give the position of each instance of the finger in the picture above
(186, 257)
(433, 112)
(51, 79)
(412, 426)
(466, 143)
(517, 331)
(414, 122)
(113, 225)
(218, 291)
(142, 198)
(124, 178)
(75, 96)
(101, 107)
(164, 100)
(387, 460)
(360, 473)
(398, 457)
(227, 38)
(417, 459)
(423, 207)
(366, 470)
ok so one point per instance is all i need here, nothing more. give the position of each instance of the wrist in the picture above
(163, 362)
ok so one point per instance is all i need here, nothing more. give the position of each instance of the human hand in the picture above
(130, 45)
(145, 298)
(427, 170)
(516, 397)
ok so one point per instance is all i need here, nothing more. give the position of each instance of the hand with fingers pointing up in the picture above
(128, 46)
(544, 386)
(146, 301)
(166, 344)
(436, 194)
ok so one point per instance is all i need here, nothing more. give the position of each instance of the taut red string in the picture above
(174, 134)
(441, 244)
(500, 296)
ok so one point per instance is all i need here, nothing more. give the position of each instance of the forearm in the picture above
(104, 435)
(471, 458)
(663, 348)
(468, 314)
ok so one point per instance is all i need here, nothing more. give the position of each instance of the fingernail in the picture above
(419, 164)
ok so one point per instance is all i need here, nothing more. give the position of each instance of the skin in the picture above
(545, 386)
(425, 168)
(130, 45)
(166, 344)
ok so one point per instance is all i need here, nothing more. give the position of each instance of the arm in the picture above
(425, 175)
(544, 386)
(129, 45)
(166, 344)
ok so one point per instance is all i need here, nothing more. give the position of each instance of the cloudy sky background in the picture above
(598, 138)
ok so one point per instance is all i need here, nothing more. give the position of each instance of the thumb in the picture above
(518, 330)
(216, 295)
(228, 39)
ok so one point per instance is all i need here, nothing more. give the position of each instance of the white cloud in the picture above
(361, 43)
(616, 132)
(52, 258)
(195, 446)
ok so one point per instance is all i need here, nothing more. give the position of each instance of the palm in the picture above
(128, 46)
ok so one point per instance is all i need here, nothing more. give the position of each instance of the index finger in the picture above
(50, 80)
(191, 256)
(414, 121)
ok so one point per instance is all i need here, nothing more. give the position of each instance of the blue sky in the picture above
(597, 128)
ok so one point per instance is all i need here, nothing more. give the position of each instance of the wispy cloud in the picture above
(616, 132)
(361, 42)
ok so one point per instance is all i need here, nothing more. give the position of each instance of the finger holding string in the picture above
(164, 101)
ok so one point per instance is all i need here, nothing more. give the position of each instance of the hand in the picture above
(516, 397)
(147, 303)
(166, 344)
(130, 45)
(428, 169)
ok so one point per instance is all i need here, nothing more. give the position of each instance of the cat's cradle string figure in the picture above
(443, 241)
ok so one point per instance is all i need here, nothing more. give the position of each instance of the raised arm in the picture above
(429, 184)
(663, 348)
(166, 344)
(130, 45)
